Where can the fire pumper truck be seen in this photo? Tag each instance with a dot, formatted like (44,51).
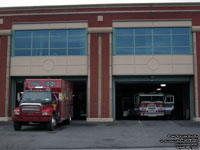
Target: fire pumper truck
(153,104)
(44,101)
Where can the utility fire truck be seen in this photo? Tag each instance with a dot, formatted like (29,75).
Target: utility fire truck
(153,104)
(44,101)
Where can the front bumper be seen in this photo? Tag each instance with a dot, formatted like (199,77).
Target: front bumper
(31,119)
(152,114)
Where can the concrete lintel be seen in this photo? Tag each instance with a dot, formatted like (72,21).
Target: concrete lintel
(100,30)
(195,28)
(196,119)
(50,25)
(5,118)
(100,119)
(5,32)
(151,23)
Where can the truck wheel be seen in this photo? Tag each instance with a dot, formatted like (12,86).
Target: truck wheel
(51,125)
(17,126)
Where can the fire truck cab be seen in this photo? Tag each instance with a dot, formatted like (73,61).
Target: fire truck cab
(44,101)
(153,104)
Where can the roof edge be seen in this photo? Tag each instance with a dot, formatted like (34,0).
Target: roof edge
(86,6)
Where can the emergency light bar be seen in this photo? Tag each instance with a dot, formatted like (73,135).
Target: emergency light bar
(39,87)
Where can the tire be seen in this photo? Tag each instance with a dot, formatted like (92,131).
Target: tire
(51,125)
(17,126)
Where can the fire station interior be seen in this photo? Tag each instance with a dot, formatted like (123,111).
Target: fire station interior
(79,103)
(125,99)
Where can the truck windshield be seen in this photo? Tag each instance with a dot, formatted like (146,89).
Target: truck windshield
(36,96)
(145,98)
(151,98)
(157,98)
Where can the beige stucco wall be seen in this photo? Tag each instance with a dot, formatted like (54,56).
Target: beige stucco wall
(153,65)
(49,66)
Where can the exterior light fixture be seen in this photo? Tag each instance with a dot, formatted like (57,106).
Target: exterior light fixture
(158,89)
(163,85)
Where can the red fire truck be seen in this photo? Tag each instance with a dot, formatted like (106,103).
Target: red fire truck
(153,104)
(44,101)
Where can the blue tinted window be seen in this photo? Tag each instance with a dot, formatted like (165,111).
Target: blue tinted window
(50,42)
(161,40)
(40,43)
(41,33)
(181,50)
(161,30)
(130,41)
(23,34)
(59,33)
(125,41)
(180,30)
(162,50)
(76,32)
(143,41)
(180,40)
(58,42)
(40,52)
(22,43)
(145,51)
(75,51)
(58,52)
(143,31)
(22,52)
(124,32)
(74,42)
(124,51)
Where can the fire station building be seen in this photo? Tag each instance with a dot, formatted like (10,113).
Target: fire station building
(110,52)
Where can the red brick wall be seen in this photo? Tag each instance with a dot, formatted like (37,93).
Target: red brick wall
(94,76)
(105,75)
(3,62)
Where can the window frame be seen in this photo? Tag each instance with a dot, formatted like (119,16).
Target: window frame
(153,47)
(83,36)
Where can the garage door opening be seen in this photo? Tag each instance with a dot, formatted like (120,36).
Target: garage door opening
(80,96)
(79,106)
(125,104)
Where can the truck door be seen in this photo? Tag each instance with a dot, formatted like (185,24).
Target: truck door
(19,89)
(169,104)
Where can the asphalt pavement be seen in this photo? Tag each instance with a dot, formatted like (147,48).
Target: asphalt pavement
(123,135)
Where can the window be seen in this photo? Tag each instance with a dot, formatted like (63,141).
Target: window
(35,83)
(148,41)
(50,42)
(50,83)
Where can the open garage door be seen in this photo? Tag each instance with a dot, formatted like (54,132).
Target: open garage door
(79,106)
(80,94)
(127,92)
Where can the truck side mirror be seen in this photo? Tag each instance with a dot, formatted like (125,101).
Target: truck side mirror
(169,99)
(19,96)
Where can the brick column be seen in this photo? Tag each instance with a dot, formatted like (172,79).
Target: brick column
(105,76)
(99,97)
(196,46)
(93,113)
(5,41)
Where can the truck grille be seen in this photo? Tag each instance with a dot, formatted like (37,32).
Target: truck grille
(30,109)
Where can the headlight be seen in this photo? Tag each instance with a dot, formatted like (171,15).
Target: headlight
(16,112)
(46,113)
